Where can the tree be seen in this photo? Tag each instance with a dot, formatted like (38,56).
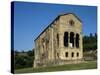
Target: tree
(91,35)
(30,53)
(95,35)
(19,62)
(90,42)
(24,59)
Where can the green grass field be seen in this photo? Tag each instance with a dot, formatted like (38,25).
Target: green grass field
(81,66)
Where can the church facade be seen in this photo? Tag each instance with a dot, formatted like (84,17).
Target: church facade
(60,43)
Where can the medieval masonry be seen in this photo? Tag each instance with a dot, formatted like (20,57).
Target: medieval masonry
(60,43)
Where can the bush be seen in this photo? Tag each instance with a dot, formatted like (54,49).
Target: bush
(23,60)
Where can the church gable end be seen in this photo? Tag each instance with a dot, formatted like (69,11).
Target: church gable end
(60,42)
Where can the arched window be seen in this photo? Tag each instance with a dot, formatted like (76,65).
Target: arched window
(72,54)
(58,55)
(77,54)
(66,39)
(71,22)
(66,54)
(77,40)
(72,38)
(58,39)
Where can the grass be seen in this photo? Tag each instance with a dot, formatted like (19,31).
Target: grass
(81,66)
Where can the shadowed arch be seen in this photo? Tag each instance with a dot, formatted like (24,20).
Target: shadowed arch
(72,38)
(66,39)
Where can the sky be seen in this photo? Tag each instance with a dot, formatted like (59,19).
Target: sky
(30,19)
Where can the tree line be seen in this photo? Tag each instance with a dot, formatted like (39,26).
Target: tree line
(90,42)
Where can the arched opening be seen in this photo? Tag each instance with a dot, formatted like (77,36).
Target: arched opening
(58,55)
(72,54)
(72,38)
(66,39)
(77,54)
(77,40)
(66,54)
(58,39)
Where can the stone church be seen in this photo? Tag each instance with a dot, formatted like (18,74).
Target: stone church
(60,43)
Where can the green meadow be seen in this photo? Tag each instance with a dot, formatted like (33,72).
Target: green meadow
(67,67)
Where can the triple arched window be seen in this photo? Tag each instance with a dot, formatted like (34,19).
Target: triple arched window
(73,39)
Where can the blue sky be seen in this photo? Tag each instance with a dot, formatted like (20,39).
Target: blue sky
(30,19)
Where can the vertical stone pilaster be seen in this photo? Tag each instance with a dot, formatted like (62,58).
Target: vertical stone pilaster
(81,45)
(52,43)
(74,40)
(61,45)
